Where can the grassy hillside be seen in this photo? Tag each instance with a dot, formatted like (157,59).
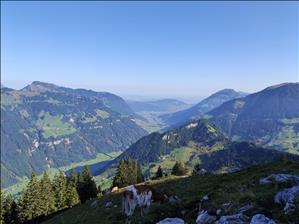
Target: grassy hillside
(237,188)
(269,118)
(197,142)
(44,125)
(101,157)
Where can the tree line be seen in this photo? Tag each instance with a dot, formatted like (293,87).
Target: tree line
(129,172)
(44,196)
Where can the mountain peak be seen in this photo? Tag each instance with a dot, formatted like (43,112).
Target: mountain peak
(226,91)
(229,92)
(39,86)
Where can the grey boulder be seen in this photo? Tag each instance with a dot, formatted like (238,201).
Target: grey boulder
(233,219)
(280,178)
(205,218)
(287,198)
(171,221)
(261,219)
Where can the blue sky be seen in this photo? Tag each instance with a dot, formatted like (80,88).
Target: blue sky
(184,50)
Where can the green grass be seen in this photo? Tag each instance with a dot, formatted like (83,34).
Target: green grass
(53,125)
(287,139)
(52,171)
(150,125)
(188,155)
(211,129)
(10,100)
(103,114)
(239,188)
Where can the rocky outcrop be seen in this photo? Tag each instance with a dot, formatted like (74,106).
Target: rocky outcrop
(205,217)
(280,178)
(261,219)
(287,198)
(233,219)
(171,221)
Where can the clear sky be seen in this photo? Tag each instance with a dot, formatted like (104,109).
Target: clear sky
(183,50)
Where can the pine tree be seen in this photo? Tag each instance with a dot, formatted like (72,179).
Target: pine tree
(179,169)
(128,172)
(47,195)
(140,177)
(30,200)
(120,178)
(59,187)
(73,178)
(72,197)
(7,204)
(15,213)
(196,169)
(159,172)
(11,214)
(87,187)
(2,211)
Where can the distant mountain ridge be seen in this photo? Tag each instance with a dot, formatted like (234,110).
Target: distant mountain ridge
(269,117)
(204,106)
(44,125)
(109,100)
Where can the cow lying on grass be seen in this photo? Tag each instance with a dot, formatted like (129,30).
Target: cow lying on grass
(142,196)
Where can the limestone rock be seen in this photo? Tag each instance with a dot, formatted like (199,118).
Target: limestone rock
(261,219)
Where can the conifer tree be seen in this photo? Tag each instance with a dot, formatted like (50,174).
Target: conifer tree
(128,172)
(159,172)
(179,169)
(87,188)
(140,177)
(73,178)
(121,177)
(11,214)
(47,195)
(72,197)
(2,211)
(59,187)
(7,214)
(30,200)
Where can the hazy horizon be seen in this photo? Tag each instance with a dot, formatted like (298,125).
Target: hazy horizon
(150,50)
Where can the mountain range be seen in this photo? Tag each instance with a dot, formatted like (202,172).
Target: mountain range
(198,142)
(268,118)
(178,118)
(44,125)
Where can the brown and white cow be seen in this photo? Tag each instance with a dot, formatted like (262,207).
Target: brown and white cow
(142,196)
